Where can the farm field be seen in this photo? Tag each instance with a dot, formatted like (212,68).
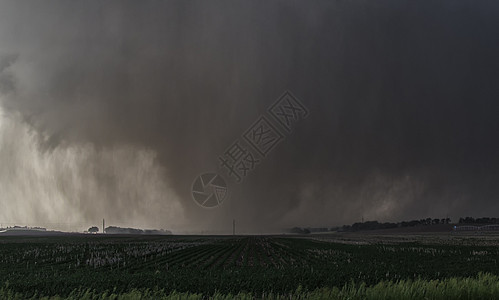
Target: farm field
(465,238)
(253,265)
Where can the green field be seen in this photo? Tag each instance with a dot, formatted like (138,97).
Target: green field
(249,265)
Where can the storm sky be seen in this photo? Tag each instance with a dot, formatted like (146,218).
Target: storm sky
(111,109)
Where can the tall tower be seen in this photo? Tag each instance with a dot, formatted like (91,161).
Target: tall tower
(234,227)
(103,226)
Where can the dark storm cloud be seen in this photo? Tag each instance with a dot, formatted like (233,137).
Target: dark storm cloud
(403,97)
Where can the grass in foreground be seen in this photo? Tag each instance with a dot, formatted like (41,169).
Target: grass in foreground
(485,286)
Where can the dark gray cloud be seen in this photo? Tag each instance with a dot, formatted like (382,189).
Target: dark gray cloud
(402,98)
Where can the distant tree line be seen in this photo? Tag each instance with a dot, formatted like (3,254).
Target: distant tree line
(24,227)
(120,230)
(484,220)
(374,225)
(298,230)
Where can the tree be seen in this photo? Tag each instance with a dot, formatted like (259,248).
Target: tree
(93,229)
(469,220)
